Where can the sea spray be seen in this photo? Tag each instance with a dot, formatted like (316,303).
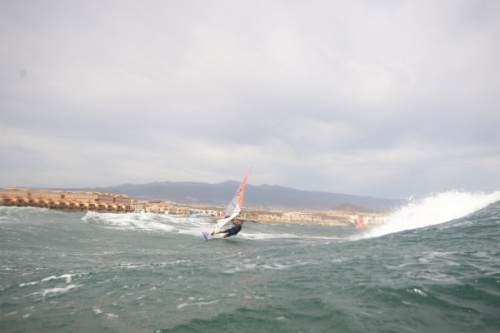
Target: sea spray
(148,222)
(432,210)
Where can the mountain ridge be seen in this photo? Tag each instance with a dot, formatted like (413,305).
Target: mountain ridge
(264,196)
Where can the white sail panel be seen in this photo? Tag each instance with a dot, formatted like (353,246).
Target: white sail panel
(233,209)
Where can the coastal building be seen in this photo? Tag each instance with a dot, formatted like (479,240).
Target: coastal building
(157,206)
(66,200)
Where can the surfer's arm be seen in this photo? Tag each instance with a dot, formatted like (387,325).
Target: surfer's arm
(215,232)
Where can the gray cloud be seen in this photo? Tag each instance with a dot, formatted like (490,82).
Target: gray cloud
(389,98)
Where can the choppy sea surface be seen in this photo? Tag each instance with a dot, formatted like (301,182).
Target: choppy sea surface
(434,266)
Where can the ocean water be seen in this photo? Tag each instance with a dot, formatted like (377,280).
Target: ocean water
(434,266)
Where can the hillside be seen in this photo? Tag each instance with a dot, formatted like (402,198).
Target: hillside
(262,196)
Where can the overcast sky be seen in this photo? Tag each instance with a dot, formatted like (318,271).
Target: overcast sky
(382,98)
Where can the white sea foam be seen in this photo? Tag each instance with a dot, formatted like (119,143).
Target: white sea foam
(432,210)
(130,221)
(267,235)
(61,290)
(67,277)
(148,222)
(417,291)
(183,305)
(97,310)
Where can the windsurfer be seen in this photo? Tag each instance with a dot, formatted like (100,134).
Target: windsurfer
(233,231)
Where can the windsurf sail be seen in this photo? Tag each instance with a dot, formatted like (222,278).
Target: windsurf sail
(361,223)
(234,207)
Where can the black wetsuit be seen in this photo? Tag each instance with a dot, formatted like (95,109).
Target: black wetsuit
(232,231)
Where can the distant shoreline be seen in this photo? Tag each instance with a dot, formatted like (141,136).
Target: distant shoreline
(78,201)
(326,217)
